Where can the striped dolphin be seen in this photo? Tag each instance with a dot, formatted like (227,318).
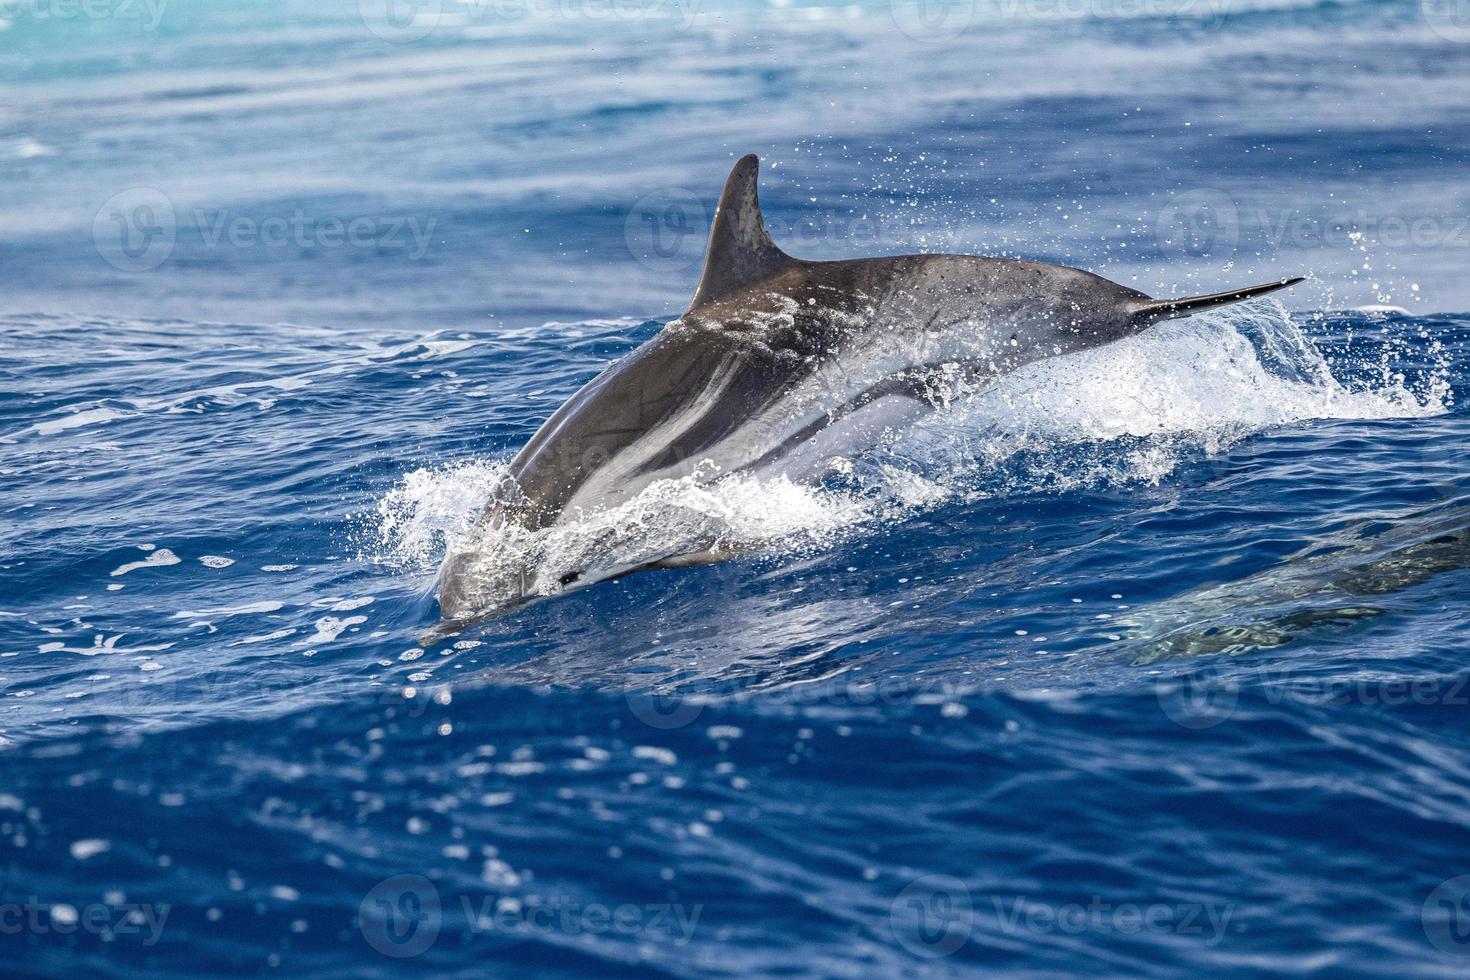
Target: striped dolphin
(777,365)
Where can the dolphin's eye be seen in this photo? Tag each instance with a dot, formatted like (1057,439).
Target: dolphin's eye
(569,578)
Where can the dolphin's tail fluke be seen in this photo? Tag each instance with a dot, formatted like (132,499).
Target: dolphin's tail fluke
(1165,309)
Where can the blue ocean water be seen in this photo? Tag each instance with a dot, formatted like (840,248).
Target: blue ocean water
(1148,661)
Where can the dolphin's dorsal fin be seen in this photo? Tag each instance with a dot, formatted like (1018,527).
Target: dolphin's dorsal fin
(740,250)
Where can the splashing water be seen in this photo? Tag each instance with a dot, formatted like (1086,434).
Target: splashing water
(429,510)
(1124,413)
(1131,411)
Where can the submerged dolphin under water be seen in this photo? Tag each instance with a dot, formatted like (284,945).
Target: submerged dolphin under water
(1335,582)
(778,365)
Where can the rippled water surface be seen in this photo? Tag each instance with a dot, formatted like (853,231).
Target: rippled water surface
(1147,660)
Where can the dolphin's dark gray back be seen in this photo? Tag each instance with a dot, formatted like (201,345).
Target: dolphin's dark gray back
(741,254)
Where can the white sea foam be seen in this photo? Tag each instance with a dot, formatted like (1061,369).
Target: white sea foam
(280,634)
(245,609)
(102,645)
(156,559)
(328,628)
(89,847)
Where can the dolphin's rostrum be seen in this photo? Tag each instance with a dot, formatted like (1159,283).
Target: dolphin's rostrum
(778,365)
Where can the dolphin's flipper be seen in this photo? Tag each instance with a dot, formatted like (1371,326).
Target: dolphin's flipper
(1165,309)
(740,249)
